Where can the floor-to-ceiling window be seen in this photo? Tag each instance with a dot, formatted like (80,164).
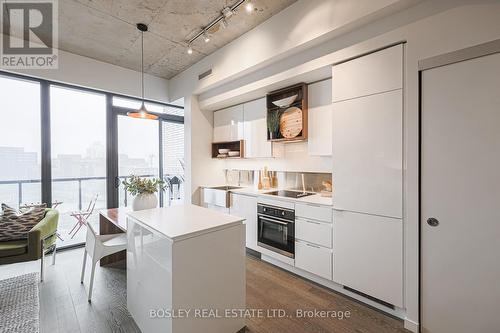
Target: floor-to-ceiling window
(173,162)
(138,151)
(151,148)
(89,146)
(78,149)
(20,176)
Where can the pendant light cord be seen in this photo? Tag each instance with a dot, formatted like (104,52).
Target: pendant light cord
(142,65)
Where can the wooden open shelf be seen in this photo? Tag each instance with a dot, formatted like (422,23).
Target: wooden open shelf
(301,102)
(238,145)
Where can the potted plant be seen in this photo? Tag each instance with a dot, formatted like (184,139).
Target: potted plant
(273,123)
(144,190)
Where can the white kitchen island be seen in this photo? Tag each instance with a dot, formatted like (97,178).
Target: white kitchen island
(185,270)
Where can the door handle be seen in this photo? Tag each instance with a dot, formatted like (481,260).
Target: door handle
(432,221)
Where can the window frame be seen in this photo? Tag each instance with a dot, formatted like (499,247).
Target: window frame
(112,113)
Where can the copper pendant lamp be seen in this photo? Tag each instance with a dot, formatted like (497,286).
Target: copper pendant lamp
(142,113)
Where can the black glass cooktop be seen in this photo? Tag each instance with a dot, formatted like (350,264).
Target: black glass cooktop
(290,194)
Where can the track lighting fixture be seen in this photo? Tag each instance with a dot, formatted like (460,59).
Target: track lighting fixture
(226,13)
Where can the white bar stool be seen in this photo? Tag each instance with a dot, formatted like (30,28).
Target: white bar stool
(99,246)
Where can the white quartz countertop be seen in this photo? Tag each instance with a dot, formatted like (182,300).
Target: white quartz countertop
(312,199)
(184,221)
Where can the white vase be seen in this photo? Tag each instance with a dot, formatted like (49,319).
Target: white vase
(145,201)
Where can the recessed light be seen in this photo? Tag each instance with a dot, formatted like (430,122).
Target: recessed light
(190,50)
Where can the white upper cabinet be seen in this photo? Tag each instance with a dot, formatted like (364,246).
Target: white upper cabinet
(228,124)
(320,118)
(374,73)
(367,148)
(255,129)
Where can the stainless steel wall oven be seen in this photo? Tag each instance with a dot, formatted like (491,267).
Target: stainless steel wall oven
(276,229)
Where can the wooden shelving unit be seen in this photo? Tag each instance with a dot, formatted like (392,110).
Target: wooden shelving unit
(238,145)
(301,102)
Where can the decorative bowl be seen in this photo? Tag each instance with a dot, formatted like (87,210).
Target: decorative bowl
(285,102)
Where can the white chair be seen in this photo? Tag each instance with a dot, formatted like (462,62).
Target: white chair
(99,246)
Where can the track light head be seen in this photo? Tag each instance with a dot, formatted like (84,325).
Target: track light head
(249,7)
(206,37)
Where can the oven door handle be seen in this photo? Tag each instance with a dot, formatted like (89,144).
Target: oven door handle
(272,220)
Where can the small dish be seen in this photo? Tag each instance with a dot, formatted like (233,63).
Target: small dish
(233,153)
(285,102)
(223,151)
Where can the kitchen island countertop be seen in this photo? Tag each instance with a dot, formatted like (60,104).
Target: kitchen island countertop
(184,221)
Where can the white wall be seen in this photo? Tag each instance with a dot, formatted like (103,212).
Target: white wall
(201,168)
(86,72)
(452,25)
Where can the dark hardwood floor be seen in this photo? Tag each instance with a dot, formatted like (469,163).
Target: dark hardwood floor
(64,307)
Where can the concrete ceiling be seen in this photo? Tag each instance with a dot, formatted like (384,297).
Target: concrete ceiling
(105,30)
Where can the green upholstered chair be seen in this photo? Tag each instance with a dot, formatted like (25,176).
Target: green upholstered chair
(41,239)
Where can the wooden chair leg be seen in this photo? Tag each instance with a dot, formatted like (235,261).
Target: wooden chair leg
(83,266)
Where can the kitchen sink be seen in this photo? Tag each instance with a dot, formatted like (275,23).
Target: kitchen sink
(218,195)
(225,188)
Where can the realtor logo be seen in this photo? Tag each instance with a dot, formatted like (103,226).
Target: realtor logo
(29,34)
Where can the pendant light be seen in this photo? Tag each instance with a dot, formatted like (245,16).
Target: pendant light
(142,113)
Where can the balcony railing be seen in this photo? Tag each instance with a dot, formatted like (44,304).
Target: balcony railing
(79,180)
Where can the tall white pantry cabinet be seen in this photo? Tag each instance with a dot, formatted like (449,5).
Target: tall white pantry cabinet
(367,150)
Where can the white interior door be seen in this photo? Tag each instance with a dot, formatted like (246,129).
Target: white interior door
(460,188)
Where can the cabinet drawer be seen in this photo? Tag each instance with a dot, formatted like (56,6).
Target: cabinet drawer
(314,232)
(314,259)
(308,211)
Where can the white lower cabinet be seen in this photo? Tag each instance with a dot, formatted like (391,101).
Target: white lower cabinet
(313,259)
(246,206)
(313,231)
(369,254)
(315,212)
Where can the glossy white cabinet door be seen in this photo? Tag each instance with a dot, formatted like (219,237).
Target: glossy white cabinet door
(374,73)
(319,140)
(314,232)
(367,154)
(228,124)
(320,131)
(246,206)
(314,259)
(369,255)
(255,129)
